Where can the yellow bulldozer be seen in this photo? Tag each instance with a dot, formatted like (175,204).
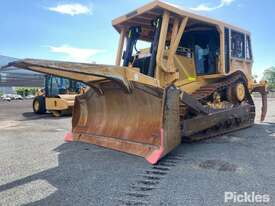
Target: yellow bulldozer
(191,81)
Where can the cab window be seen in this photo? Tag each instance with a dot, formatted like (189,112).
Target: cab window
(237,45)
(205,43)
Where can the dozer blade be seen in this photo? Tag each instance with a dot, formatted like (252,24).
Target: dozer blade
(119,113)
(87,73)
(144,122)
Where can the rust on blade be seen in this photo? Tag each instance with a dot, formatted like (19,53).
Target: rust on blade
(86,73)
(89,74)
(131,123)
(123,110)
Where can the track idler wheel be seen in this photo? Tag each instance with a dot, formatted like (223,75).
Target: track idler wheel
(236,93)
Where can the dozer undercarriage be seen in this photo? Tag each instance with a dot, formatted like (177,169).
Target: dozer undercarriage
(193,83)
(231,114)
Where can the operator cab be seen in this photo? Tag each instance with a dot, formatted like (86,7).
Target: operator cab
(168,43)
(199,42)
(57,85)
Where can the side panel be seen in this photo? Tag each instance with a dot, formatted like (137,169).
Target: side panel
(186,67)
(56,104)
(240,65)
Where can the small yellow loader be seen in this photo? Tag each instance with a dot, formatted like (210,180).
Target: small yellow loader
(58,96)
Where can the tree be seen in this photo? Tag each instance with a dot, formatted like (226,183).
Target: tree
(25,91)
(269,76)
(20,91)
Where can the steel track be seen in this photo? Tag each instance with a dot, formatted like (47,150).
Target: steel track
(229,125)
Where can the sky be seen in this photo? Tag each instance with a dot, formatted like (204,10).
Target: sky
(81,30)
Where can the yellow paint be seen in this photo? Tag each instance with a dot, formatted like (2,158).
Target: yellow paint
(191,78)
(57,104)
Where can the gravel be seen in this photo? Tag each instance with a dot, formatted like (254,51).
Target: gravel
(38,168)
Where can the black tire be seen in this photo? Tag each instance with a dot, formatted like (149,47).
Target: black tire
(38,105)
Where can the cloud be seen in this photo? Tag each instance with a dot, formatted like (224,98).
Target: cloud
(76,54)
(72,9)
(206,7)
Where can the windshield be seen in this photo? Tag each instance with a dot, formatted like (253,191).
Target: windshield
(205,45)
(58,85)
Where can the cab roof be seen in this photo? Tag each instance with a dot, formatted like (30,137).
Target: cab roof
(144,15)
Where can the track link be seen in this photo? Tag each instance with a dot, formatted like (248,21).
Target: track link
(230,125)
